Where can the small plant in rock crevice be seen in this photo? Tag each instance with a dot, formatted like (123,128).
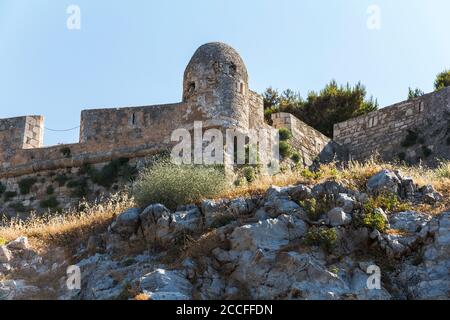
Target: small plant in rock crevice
(323,237)
(2,188)
(8,195)
(26,184)
(49,203)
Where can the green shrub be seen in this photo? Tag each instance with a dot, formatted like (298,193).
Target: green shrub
(374,220)
(443,170)
(80,188)
(427,152)
(2,188)
(296,157)
(109,174)
(416,93)
(26,184)
(173,185)
(323,237)
(3,241)
(249,174)
(311,208)
(321,110)
(315,208)
(8,195)
(442,80)
(50,190)
(61,179)
(66,152)
(285,134)
(388,202)
(49,203)
(240,182)
(285,149)
(410,139)
(309,174)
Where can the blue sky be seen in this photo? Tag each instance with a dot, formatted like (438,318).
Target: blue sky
(134,52)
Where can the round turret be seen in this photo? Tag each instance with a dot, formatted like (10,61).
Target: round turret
(216,86)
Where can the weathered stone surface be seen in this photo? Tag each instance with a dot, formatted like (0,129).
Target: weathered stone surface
(126,223)
(384,181)
(385,131)
(346,202)
(166,285)
(5,254)
(338,217)
(409,221)
(20,243)
(269,234)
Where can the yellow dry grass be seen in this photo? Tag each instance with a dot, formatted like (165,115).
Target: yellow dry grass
(71,228)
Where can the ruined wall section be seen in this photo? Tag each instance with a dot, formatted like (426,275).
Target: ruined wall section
(256,113)
(107,129)
(312,145)
(17,134)
(105,134)
(413,130)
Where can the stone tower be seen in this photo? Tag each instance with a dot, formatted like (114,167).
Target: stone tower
(216,87)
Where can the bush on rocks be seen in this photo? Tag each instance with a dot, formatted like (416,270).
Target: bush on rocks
(174,185)
(322,237)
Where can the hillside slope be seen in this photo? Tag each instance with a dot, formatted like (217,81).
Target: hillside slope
(324,239)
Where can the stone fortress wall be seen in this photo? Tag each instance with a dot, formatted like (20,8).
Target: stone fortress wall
(215,91)
(415,131)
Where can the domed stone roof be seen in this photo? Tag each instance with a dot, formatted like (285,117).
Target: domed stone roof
(218,55)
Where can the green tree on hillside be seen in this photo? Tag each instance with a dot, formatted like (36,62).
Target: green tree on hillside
(416,93)
(335,103)
(442,80)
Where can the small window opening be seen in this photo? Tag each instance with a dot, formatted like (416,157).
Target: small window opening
(241,88)
(232,69)
(191,87)
(133,119)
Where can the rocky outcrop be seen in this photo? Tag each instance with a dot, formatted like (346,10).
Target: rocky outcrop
(295,242)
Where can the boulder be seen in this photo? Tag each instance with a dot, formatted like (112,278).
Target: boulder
(409,221)
(126,223)
(300,193)
(5,254)
(429,195)
(278,206)
(166,285)
(20,243)
(270,234)
(384,181)
(337,217)
(190,220)
(329,188)
(346,202)
(17,290)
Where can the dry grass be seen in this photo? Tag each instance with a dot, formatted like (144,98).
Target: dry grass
(353,174)
(70,228)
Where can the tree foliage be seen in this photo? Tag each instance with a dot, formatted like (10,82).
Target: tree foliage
(321,110)
(442,80)
(416,93)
